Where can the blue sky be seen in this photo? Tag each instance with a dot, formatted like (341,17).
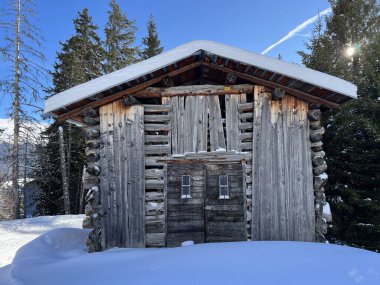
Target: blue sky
(252,25)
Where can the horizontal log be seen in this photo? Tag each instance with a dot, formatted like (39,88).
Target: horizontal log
(93,170)
(245,107)
(314,115)
(154,173)
(91,112)
(156,118)
(91,121)
(318,160)
(157,108)
(155,240)
(278,94)
(157,149)
(157,127)
(246,126)
(246,136)
(129,100)
(318,153)
(90,133)
(194,90)
(152,161)
(93,144)
(244,116)
(92,157)
(154,196)
(320,169)
(156,139)
(154,184)
(246,146)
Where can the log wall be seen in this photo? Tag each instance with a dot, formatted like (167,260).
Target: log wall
(273,134)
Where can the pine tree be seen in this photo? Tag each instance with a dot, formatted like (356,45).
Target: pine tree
(352,139)
(21,52)
(151,43)
(120,38)
(81,59)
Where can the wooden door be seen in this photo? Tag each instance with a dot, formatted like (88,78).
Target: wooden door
(185,205)
(205,203)
(225,217)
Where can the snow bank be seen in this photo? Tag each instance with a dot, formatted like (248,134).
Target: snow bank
(59,257)
(16,233)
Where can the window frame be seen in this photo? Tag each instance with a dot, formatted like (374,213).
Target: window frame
(225,187)
(186,195)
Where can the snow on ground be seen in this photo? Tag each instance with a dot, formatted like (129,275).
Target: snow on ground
(16,233)
(60,257)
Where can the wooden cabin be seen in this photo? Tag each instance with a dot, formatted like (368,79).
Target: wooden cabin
(205,142)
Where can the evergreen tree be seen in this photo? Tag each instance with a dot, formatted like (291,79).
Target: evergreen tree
(352,139)
(151,43)
(120,37)
(81,59)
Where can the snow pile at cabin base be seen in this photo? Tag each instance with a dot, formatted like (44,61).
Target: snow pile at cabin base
(60,257)
(16,233)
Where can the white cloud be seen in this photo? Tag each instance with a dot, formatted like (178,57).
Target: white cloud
(298,29)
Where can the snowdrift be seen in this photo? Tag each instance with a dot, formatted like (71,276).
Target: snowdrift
(60,257)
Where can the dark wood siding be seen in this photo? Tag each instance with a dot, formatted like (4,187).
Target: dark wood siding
(204,217)
(225,218)
(185,216)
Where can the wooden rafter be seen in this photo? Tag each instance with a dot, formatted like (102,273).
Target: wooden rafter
(288,90)
(77,111)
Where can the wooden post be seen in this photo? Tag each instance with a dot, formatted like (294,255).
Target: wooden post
(91,180)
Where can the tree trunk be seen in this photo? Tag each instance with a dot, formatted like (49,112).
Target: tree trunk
(65,185)
(16,119)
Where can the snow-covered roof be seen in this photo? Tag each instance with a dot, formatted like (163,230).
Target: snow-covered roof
(137,70)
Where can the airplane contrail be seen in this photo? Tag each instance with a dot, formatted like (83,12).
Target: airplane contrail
(297,29)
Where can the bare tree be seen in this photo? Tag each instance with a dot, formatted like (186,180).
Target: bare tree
(65,184)
(21,51)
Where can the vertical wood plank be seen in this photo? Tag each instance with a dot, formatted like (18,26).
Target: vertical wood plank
(232,122)
(217,139)
(282,206)
(135,176)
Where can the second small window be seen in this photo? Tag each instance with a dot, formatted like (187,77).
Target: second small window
(224,192)
(185,191)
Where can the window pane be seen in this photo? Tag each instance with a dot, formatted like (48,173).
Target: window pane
(223,180)
(185,179)
(224,191)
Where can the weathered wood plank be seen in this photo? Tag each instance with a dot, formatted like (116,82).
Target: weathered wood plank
(281,172)
(156,108)
(217,139)
(232,122)
(193,90)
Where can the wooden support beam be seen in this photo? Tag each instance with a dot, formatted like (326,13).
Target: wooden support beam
(259,81)
(152,92)
(129,100)
(73,113)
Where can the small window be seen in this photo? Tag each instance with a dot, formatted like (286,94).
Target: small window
(224,192)
(185,193)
